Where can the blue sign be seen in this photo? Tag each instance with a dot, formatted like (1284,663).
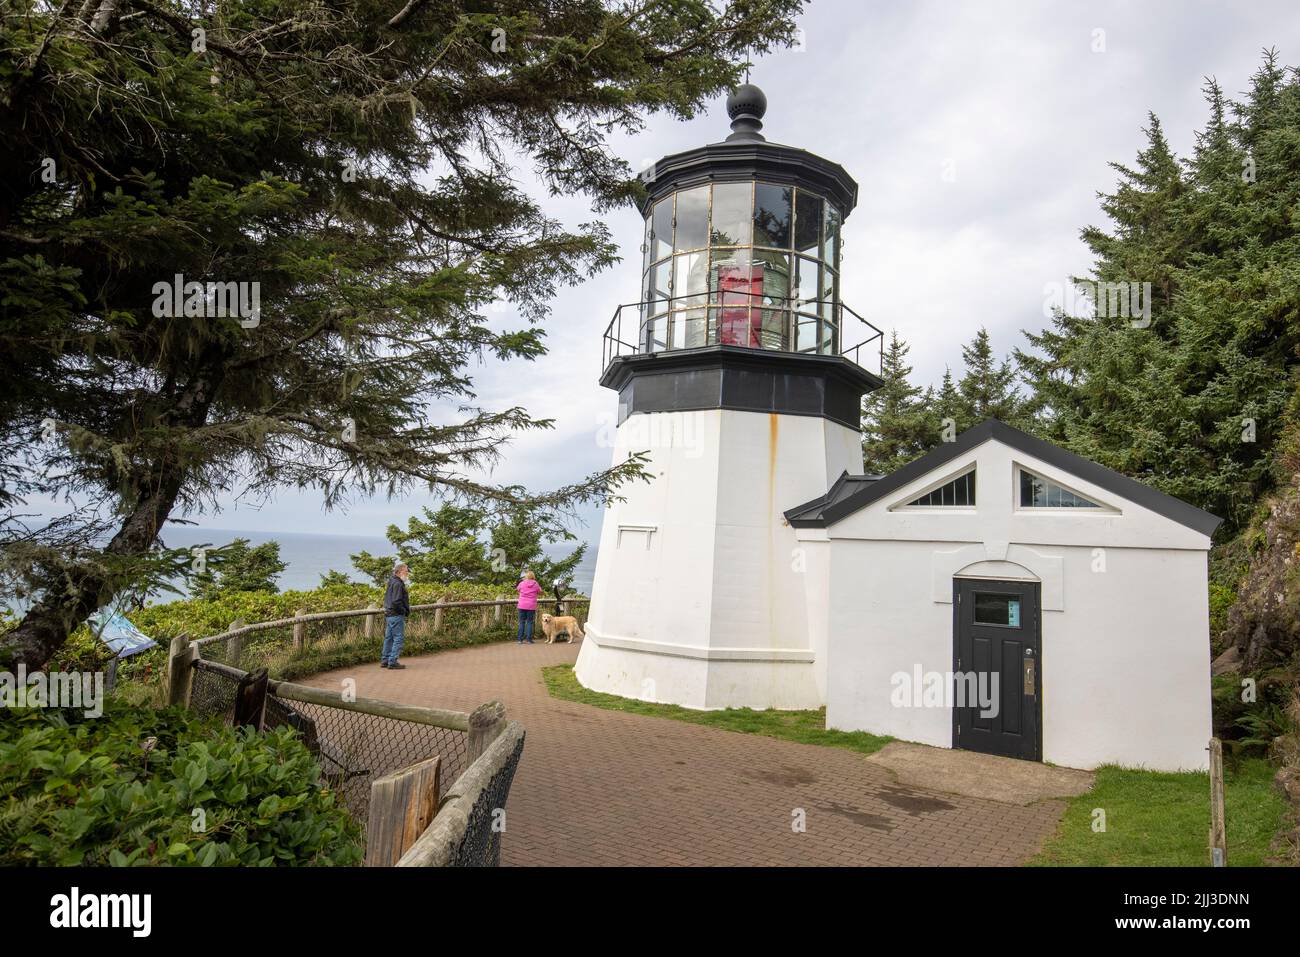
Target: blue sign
(1013,612)
(122,638)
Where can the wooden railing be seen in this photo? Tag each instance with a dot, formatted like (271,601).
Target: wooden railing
(493,609)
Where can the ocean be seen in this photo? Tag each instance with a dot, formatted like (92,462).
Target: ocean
(309,555)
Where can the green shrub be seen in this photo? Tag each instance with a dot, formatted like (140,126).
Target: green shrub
(1222,598)
(80,791)
(1249,728)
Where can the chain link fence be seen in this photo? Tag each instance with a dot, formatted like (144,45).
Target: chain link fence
(469,826)
(481,844)
(354,748)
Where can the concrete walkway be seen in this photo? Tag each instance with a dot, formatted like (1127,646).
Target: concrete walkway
(599,787)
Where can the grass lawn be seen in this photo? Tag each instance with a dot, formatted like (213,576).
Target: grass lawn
(1160,819)
(806,727)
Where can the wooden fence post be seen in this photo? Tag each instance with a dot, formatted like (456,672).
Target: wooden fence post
(485,617)
(180,670)
(250,700)
(1218,826)
(485,723)
(370,622)
(299,630)
(437,614)
(235,645)
(497,612)
(402,805)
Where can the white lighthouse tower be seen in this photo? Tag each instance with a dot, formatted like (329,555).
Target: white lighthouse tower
(738,374)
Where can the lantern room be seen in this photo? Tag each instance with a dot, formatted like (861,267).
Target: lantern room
(748,263)
(741,248)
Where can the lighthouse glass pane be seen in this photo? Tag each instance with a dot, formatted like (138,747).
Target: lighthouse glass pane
(826,298)
(805,333)
(772,215)
(832,237)
(691,279)
(660,279)
(806,287)
(732,214)
(645,246)
(663,228)
(692,219)
(736,284)
(771,285)
(654,336)
(830,338)
(808,224)
(690,329)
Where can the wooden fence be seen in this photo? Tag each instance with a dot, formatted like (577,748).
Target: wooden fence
(491,612)
(415,815)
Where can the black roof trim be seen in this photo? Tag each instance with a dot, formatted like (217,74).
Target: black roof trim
(825,511)
(621,368)
(809,514)
(741,379)
(752,159)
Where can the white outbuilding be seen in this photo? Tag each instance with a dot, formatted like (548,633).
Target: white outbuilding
(1003,595)
(998,594)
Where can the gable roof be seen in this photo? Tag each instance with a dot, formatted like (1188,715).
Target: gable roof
(853,492)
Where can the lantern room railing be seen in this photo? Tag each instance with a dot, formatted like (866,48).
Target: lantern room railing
(746,320)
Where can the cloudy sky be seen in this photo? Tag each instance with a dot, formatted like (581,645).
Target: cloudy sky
(980,134)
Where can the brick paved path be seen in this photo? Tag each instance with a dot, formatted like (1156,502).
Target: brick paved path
(597,787)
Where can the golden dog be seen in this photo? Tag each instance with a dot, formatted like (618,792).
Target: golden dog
(553,625)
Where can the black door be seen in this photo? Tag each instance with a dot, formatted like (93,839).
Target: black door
(998,685)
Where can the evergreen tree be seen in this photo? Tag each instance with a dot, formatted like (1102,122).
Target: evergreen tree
(517,544)
(895,425)
(239,567)
(357,162)
(987,387)
(949,415)
(456,544)
(442,546)
(901,422)
(1194,401)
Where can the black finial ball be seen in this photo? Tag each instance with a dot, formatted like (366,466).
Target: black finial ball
(747,99)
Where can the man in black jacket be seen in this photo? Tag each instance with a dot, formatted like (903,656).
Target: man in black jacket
(397,605)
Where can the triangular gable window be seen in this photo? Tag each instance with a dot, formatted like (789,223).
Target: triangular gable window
(1038,492)
(960,491)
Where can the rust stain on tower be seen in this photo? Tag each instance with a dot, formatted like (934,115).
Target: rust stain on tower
(773,428)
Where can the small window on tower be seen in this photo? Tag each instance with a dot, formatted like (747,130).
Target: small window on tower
(1038,492)
(960,491)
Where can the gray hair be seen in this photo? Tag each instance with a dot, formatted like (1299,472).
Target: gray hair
(399,566)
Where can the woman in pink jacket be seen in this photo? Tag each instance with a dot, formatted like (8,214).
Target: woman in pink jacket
(528,591)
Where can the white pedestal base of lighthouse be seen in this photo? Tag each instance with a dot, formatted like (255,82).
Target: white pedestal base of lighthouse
(700,595)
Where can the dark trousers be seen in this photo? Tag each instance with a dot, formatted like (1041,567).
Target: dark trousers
(526,625)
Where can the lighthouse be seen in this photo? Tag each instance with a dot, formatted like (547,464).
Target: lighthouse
(740,375)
